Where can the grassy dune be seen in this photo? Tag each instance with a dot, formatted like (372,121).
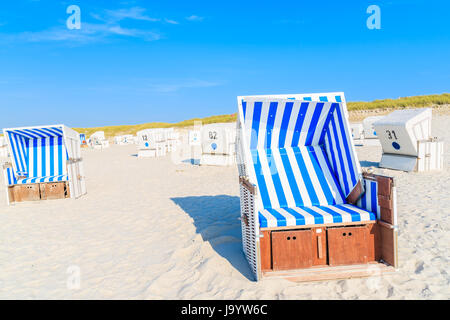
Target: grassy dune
(411,102)
(112,131)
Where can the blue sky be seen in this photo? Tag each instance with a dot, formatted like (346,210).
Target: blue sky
(144,61)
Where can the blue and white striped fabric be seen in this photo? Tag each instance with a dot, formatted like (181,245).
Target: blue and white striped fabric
(10,177)
(62,177)
(281,123)
(304,216)
(369,199)
(302,159)
(320,97)
(339,144)
(38,154)
(295,177)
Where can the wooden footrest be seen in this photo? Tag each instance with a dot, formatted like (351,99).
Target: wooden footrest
(332,273)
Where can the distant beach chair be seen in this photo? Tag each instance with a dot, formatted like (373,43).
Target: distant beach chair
(45,164)
(3,148)
(83,140)
(307,211)
(172,139)
(369,129)
(194,138)
(407,143)
(124,139)
(218,143)
(98,140)
(357,131)
(151,143)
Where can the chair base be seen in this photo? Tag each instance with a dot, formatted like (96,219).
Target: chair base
(322,273)
(324,252)
(38,191)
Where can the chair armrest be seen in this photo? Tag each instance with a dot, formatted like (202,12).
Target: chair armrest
(8,173)
(355,194)
(7,165)
(246,184)
(385,196)
(74,160)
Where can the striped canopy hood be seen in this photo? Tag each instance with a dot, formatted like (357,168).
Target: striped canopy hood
(38,151)
(298,152)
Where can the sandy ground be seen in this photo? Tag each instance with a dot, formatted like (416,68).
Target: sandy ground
(151,229)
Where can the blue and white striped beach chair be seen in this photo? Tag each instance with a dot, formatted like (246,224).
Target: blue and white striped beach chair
(300,179)
(44,154)
(83,141)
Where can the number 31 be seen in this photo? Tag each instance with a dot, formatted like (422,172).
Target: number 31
(390,134)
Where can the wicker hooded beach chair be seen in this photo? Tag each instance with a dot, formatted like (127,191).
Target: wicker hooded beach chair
(45,164)
(307,211)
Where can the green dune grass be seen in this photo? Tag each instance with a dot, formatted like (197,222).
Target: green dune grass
(111,131)
(404,102)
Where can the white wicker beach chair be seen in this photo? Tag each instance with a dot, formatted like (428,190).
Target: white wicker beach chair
(218,142)
(369,129)
(98,140)
(307,211)
(123,140)
(45,163)
(172,139)
(151,143)
(405,136)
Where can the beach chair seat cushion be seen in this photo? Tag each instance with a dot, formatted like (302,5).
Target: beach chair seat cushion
(58,178)
(314,215)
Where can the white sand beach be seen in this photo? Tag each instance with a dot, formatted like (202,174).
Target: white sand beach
(153,229)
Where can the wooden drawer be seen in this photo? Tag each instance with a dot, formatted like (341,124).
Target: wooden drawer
(292,249)
(53,190)
(265,244)
(25,192)
(348,245)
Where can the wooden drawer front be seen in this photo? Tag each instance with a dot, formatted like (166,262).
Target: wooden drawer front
(291,249)
(347,245)
(53,190)
(265,245)
(319,246)
(26,192)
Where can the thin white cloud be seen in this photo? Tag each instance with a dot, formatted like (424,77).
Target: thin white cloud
(194,18)
(134,13)
(171,21)
(154,86)
(88,33)
(181,84)
(92,32)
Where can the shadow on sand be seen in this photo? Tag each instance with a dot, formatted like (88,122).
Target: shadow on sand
(216,219)
(192,161)
(368,164)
